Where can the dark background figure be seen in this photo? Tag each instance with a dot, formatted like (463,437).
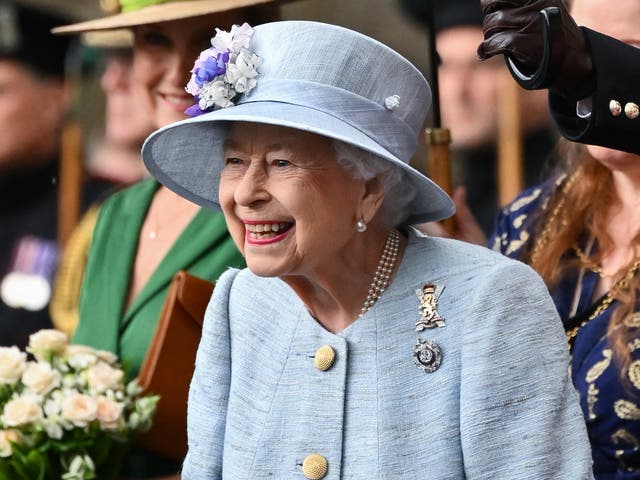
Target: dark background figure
(34,99)
(469,98)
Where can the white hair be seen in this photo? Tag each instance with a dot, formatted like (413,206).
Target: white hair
(363,165)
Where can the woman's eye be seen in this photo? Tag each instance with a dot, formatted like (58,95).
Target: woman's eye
(281,163)
(156,38)
(233,161)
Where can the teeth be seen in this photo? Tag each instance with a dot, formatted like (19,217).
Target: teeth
(175,99)
(265,230)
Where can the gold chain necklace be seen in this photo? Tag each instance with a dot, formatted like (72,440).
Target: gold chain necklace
(586,262)
(621,284)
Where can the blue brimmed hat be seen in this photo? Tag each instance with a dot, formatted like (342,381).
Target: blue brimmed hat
(314,77)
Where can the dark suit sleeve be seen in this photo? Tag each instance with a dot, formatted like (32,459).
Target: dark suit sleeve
(617,70)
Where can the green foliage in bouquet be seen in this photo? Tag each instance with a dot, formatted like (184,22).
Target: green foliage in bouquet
(68,414)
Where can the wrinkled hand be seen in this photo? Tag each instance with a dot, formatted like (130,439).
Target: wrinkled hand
(515,28)
(466,226)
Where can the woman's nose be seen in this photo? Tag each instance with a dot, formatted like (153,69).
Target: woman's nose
(178,68)
(252,188)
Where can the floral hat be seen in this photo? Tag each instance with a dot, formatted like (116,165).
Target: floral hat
(310,76)
(143,12)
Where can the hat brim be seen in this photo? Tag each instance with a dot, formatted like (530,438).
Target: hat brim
(163,12)
(185,156)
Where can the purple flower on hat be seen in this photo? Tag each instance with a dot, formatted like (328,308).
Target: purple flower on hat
(224,70)
(210,68)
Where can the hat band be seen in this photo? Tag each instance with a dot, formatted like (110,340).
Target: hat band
(372,119)
(131,5)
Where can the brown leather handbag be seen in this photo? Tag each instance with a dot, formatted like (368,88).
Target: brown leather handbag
(169,364)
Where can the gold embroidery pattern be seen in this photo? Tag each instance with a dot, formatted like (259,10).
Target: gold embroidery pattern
(624,437)
(518,204)
(592,399)
(519,220)
(497,241)
(633,321)
(635,345)
(598,368)
(634,374)
(626,410)
(515,245)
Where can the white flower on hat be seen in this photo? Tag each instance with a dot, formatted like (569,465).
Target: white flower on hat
(242,74)
(217,93)
(224,70)
(12,364)
(238,38)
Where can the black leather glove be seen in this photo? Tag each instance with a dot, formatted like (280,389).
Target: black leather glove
(542,43)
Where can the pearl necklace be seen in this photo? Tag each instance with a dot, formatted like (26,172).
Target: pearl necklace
(383,272)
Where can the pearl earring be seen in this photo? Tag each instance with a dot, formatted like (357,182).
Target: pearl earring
(361,226)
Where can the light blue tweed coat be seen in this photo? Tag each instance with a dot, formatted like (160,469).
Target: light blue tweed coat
(501,405)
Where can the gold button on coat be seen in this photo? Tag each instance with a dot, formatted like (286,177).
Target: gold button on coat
(631,110)
(325,356)
(615,108)
(315,466)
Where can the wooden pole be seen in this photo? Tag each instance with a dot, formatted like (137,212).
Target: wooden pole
(510,176)
(70,181)
(438,141)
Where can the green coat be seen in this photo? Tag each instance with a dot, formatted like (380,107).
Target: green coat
(204,248)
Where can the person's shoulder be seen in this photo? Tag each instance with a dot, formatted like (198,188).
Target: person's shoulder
(465,260)
(454,252)
(533,198)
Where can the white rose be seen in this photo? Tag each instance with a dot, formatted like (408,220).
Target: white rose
(48,341)
(6,438)
(109,413)
(40,377)
(21,411)
(53,429)
(106,356)
(81,356)
(12,364)
(79,409)
(103,377)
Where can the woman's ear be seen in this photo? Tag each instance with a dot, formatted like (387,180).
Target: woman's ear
(371,199)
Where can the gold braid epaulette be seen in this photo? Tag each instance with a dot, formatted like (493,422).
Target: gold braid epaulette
(68,283)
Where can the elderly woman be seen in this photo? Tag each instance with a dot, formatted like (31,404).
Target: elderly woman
(352,346)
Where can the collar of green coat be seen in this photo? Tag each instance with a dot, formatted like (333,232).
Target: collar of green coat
(109,268)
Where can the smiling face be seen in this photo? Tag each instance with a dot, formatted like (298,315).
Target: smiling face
(291,209)
(620,22)
(163,57)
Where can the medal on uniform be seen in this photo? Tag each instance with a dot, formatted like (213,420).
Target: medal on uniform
(429,316)
(31,271)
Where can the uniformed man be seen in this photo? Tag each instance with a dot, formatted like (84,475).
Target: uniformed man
(592,78)
(33,103)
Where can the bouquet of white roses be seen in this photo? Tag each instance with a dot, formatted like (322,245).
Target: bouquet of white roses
(67,414)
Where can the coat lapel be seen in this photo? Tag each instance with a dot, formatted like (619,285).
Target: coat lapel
(202,234)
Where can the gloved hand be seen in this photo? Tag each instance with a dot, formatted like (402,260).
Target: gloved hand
(550,47)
